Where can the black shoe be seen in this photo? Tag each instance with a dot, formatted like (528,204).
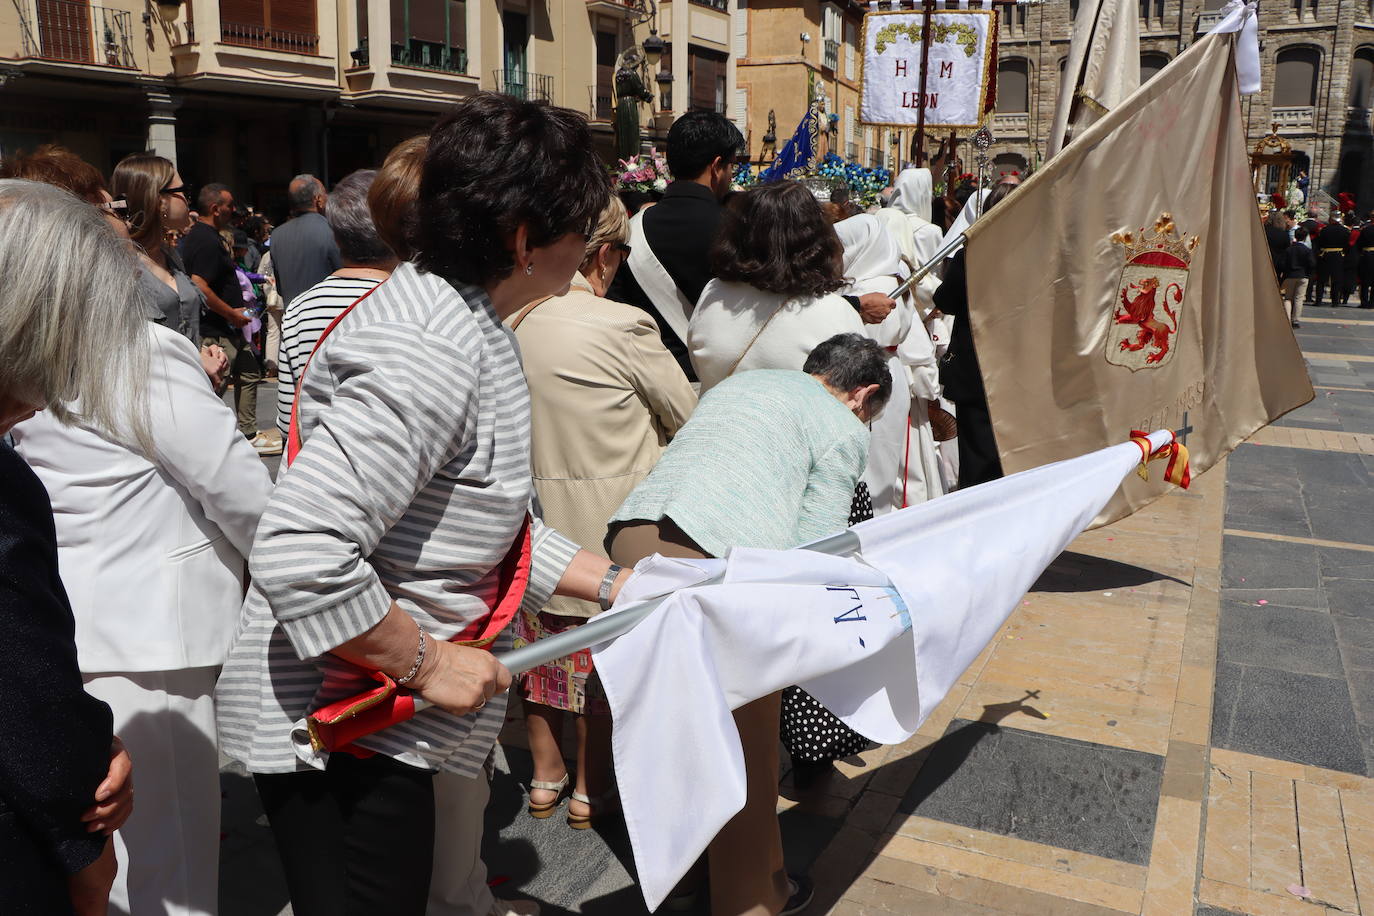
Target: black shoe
(806,773)
(800,898)
(1297,324)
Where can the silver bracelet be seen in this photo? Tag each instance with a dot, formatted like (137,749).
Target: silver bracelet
(419,660)
(603,594)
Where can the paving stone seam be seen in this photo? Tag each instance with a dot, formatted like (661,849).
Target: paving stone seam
(1295,539)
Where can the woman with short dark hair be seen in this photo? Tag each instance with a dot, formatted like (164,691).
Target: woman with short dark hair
(391,544)
(777,262)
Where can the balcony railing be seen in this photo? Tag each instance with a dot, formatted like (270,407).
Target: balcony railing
(524,85)
(602,105)
(430,55)
(1295,118)
(1207,20)
(832,54)
(722,5)
(79,33)
(255,36)
(1011,124)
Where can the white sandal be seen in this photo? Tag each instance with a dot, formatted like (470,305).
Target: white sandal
(542,810)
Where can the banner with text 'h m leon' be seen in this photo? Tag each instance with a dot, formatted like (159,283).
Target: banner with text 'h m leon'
(962,64)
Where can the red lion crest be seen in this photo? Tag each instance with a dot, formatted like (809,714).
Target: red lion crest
(1141,311)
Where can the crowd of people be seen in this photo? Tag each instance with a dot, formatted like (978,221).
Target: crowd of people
(1321,262)
(497,390)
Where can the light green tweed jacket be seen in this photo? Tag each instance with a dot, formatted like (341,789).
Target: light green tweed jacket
(769,459)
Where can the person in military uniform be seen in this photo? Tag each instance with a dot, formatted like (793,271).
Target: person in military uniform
(1330,250)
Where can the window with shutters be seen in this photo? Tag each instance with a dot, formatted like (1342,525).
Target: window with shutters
(607,50)
(430,34)
(1295,78)
(276,25)
(706,80)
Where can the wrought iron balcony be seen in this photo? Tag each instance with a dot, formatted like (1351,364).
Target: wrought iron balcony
(722,5)
(79,33)
(876,159)
(532,87)
(255,36)
(832,54)
(602,107)
(430,55)
(1294,119)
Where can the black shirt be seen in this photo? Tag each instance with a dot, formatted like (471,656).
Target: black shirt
(680,229)
(205,256)
(1333,236)
(959,371)
(1298,262)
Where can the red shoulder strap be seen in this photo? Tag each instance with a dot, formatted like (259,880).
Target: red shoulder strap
(293,436)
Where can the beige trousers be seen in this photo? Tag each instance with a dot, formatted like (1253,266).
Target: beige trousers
(458,884)
(745,858)
(1293,292)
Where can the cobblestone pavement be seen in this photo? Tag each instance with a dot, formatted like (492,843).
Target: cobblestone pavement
(1178,720)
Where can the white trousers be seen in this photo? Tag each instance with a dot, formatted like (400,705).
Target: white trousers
(458,885)
(168,850)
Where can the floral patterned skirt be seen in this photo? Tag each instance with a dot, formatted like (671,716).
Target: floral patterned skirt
(567,683)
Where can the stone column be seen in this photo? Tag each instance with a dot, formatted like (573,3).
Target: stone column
(681,37)
(162,122)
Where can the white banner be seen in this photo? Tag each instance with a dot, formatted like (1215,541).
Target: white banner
(959,68)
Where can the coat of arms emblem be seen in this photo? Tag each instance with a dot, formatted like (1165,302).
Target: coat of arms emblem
(1148,306)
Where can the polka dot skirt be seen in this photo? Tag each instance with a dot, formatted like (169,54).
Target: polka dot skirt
(809,731)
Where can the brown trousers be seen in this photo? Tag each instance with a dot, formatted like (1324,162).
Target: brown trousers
(745,858)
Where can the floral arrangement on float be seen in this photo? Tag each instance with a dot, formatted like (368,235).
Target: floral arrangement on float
(745,177)
(864,182)
(643,173)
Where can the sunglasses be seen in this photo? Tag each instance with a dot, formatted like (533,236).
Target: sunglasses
(119,207)
(179,189)
(622,248)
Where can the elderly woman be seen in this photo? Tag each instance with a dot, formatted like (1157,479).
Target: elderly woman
(367,261)
(769,459)
(400,526)
(777,263)
(605,397)
(69,332)
(152,554)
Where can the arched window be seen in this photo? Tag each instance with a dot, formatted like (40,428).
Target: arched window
(1295,78)
(1008,164)
(1362,78)
(1013,86)
(1151,62)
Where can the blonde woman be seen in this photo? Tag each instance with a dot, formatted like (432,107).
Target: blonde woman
(605,398)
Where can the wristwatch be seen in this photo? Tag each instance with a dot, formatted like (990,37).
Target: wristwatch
(603,594)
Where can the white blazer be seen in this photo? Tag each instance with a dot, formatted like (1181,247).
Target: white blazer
(768,330)
(151,551)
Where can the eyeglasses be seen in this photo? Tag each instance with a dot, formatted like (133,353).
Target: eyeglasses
(179,189)
(622,248)
(119,208)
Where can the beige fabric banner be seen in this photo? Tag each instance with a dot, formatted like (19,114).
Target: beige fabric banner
(1127,285)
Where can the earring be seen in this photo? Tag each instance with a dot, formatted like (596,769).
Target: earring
(529,270)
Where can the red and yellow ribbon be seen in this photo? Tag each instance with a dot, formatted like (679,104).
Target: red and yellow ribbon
(1175,453)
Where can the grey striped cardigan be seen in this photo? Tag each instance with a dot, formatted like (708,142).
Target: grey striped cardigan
(411,484)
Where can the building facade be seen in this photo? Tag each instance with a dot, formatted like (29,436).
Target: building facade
(251,92)
(788,53)
(1318,70)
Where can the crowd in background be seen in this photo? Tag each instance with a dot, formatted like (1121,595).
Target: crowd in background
(498,388)
(1322,262)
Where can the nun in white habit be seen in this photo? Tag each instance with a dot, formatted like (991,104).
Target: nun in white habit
(903,465)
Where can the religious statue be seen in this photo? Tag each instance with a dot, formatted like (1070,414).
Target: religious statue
(629,93)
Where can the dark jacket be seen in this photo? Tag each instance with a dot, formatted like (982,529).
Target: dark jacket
(1333,236)
(680,229)
(1298,262)
(54,737)
(959,371)
(1278,245)
(303,253)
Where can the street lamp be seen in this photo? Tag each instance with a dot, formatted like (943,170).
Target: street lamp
(665,90)
(653,49)
(168,9)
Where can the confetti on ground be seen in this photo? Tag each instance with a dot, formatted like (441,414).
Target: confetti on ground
(1106,594)
(1262,601)
(1297,890)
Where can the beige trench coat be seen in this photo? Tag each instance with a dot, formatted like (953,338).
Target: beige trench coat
(605,398)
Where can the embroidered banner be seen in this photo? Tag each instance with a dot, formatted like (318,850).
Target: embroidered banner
(961,63)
